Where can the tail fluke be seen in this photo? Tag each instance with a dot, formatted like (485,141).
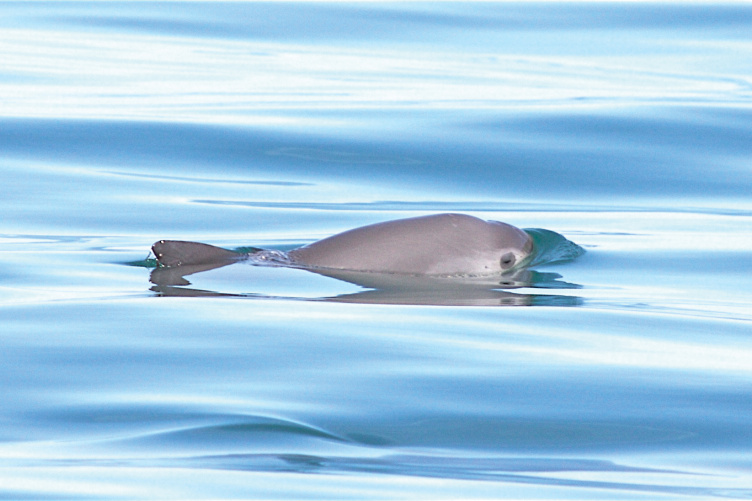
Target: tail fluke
(178,253)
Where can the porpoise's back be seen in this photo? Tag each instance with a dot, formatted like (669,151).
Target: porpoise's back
(441,244)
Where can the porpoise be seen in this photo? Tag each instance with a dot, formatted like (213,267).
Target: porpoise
(435,245)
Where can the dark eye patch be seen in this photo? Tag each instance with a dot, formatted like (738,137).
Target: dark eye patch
(507,260)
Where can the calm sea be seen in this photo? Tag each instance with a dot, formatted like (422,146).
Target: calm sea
(623,374)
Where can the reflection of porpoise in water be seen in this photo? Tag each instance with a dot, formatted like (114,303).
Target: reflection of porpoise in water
(439,259)
(438,245)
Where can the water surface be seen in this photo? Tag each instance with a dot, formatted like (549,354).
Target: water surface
(623,374)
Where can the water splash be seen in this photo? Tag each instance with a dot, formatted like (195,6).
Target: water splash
(552,247)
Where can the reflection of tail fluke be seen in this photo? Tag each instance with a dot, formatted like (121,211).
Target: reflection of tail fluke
(178,253)
(175,275)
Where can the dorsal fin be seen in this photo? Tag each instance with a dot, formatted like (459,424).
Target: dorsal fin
(178,253)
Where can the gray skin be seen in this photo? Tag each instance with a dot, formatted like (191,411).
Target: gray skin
(437,245)
(173,253)
(442,244)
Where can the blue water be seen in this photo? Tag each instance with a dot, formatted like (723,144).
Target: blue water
(623,374)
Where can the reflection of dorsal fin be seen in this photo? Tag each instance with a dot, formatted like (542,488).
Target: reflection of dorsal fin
(179,253)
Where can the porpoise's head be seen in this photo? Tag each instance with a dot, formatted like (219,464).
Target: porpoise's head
(516,246)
